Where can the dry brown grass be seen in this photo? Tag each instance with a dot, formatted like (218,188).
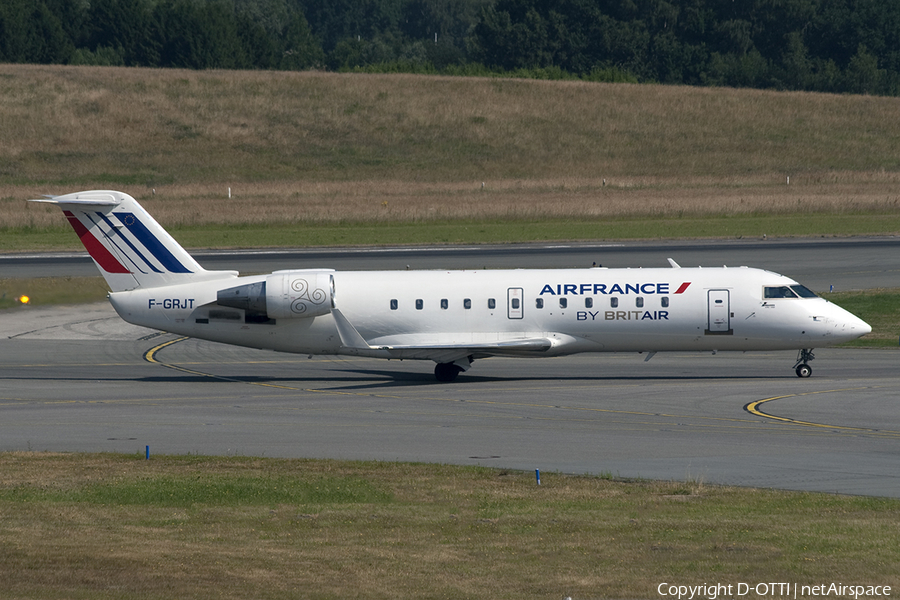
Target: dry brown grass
(326,148)
(397,201)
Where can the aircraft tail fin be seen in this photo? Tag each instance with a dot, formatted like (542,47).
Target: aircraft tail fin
(129,247)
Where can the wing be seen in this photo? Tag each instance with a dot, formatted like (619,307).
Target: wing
(440,347)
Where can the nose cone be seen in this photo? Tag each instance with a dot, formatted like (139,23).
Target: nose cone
(864,327)
(850,327)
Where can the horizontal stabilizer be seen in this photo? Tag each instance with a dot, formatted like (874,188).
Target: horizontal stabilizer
(82,199)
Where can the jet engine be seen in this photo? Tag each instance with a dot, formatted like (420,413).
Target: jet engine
(284,295)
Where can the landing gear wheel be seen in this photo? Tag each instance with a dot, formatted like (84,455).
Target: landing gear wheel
(801,366)
(446,372)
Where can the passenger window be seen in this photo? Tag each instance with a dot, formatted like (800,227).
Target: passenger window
(664,301)
(639,302)
(563,302)
(515,303)
(539,303)
(589,303)
(467,303)
(419,304)
(444,303)
(393,304)
(492,304)
(614,303)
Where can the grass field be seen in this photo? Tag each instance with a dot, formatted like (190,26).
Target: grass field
(397,153)
(114,526)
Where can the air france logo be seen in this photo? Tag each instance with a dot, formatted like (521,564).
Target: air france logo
(616,289)
(595,289)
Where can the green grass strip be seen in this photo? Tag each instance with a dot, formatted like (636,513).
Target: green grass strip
(49,291)
(878,308)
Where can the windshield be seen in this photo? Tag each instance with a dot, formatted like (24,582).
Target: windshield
(803,291)
(778,292)
(784,291)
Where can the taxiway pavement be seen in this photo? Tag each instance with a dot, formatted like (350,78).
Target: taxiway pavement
(76,379)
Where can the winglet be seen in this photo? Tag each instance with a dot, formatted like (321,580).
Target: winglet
(674,264)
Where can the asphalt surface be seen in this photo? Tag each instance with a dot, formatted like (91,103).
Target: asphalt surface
(79,379)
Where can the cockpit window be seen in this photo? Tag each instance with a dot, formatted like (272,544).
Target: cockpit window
(803,291)
(778,292)
(784,291)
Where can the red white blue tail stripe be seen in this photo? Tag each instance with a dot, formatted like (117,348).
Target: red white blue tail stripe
(131,249)
(104,259)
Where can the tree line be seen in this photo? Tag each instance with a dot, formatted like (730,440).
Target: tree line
(817,45)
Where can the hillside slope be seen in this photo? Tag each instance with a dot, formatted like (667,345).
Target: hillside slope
(320,147)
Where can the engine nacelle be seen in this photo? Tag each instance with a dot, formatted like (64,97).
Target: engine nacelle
(298,294)
(284,295)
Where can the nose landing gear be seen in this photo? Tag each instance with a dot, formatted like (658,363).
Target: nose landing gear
(801,367)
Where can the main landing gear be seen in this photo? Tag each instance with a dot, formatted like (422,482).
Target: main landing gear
(446,372)
(802,368)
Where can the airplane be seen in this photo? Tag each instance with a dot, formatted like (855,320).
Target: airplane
(451,317)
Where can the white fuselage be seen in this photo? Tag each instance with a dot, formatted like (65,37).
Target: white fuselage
(450,317)
(406,314)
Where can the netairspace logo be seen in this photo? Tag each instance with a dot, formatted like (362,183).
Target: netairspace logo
(715,591)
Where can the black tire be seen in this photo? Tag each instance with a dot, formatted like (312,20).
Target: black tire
(446,372)
(804,370)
